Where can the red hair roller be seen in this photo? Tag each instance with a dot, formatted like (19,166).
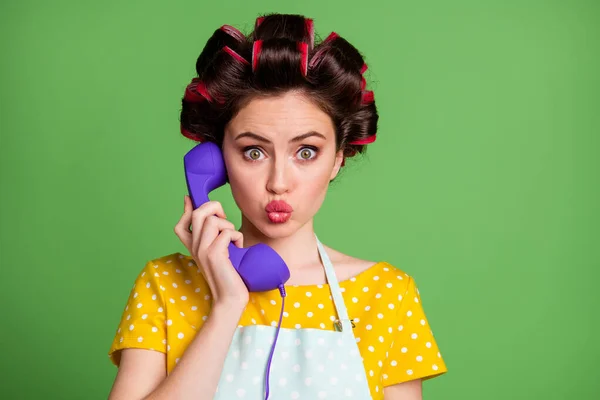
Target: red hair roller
(233,32)
(259,21)
(363,81)
(316,57)
(196,92)
(256,49)
(368,140)
(187,134)
(367,97)
(310,31)
(319,54)
(331,37)
(201,88)
(303,49)
(235,55)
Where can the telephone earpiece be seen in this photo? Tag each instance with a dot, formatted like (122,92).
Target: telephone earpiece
(259,266)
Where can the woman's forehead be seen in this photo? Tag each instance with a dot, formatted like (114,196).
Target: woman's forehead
(284,116)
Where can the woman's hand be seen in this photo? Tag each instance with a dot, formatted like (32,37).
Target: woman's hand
(207,243)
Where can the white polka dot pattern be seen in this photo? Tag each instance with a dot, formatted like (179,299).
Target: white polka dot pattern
(391,328)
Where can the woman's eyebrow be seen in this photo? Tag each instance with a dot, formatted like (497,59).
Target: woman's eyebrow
(295,139)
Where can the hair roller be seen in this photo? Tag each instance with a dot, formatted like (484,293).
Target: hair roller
(259,21)
(332,36)
(319,54)
(303,49)
(233,32)
(316,58)
(201,88)
(367,140)
(187,134)
(367,97)
(363,81)
(310,31)
(235,55)
(256,49)
(196,92)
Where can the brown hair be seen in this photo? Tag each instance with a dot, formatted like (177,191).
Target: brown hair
(279,56)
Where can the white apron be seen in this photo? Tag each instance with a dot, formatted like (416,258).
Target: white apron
(306,363)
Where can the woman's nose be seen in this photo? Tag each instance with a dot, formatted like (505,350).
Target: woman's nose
(279,179)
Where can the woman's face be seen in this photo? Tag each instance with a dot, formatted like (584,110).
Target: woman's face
(280,148)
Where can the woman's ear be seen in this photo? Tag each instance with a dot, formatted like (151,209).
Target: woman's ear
(339,158)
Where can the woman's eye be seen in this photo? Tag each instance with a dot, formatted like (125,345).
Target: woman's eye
(253,154)
(306,152)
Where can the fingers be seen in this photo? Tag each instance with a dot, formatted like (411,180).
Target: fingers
(195,219)
(219,247)
(210,230)
(181,228)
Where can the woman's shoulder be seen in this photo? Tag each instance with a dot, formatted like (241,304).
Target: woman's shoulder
(174,260)
(353,269)
(379,276)
(175,272)
(176,263)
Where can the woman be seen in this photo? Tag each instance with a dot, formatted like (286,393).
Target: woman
(286,112)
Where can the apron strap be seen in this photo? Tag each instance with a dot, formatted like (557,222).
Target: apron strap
(338,300)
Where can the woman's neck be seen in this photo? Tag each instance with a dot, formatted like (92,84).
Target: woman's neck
(298,250)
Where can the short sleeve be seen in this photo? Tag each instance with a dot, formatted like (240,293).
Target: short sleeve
(142,324)
(414,353)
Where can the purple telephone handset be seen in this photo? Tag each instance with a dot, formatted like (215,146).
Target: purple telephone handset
(259,266)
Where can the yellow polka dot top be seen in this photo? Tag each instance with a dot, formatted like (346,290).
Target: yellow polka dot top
(170,301)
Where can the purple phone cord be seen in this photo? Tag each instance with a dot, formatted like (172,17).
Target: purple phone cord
(282,292)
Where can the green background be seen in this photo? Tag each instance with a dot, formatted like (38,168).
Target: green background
(482,184)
